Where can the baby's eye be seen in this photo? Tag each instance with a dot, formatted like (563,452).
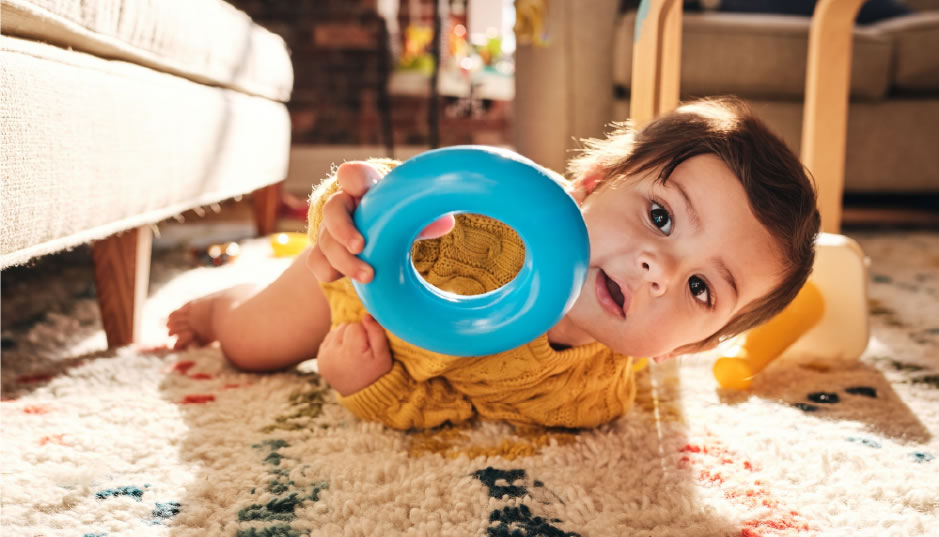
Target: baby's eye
(699,289)
(660,218)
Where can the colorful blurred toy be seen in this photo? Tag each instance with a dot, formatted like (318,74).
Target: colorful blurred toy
(765,343)
(289,244)
(215,255)
(530,22)
(827,320)
(415,56)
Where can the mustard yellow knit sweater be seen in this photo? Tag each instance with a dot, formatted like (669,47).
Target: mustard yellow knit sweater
(534,384)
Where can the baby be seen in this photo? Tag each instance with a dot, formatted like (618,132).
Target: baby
(701,226)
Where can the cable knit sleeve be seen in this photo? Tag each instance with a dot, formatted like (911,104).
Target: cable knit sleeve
(401,402)
(581,386)
(594,391)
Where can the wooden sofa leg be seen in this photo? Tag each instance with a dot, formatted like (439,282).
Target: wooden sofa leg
(656,61)
(265,202)
(122,274)
(825,112)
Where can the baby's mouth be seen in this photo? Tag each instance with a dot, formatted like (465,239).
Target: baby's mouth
(610,294)
(615,292)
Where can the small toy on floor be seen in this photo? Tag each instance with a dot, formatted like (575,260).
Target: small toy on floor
(765,343)
(289,244)
(827,320)
(215,255)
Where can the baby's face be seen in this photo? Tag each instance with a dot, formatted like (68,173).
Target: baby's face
(671,264)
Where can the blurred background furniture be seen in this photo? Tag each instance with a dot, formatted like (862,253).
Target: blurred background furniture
(579,82)
(117,114)
(360,62)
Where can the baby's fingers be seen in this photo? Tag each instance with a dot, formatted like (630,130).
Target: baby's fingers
(316,261)
(438,228)
(333,338)
(337,220)
(341,260)
(376,339)
(355,339)
(357,177)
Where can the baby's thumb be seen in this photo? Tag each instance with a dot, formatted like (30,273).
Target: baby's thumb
(376,337)
(357,177)
(438,228)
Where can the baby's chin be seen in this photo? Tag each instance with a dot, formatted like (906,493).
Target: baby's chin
(614,337)
(631,348)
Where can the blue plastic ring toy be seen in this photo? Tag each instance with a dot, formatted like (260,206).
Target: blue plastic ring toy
(476,179)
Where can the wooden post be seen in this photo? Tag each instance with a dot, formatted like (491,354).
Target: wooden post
(264,202)
(827,93)
(122,275)
(656,60)
(670,70)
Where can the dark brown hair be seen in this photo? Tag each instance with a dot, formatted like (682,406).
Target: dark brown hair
(777,185)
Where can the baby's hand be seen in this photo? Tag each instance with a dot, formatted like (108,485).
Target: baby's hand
(353,356)
(334,254)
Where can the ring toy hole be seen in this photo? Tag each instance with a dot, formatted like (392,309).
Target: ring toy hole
(512,261)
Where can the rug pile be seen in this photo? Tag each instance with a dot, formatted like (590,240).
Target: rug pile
(141,441)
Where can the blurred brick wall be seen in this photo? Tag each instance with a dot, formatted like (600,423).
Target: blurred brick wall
(337,52)
(342,58)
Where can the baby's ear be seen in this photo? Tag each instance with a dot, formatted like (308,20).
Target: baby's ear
(587,183)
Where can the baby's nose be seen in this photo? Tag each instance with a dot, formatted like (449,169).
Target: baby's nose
(656,271)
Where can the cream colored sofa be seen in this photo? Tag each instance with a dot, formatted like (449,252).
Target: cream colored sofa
(580,82)
(116,114)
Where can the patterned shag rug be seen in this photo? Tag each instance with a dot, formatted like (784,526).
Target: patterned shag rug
(145,442)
